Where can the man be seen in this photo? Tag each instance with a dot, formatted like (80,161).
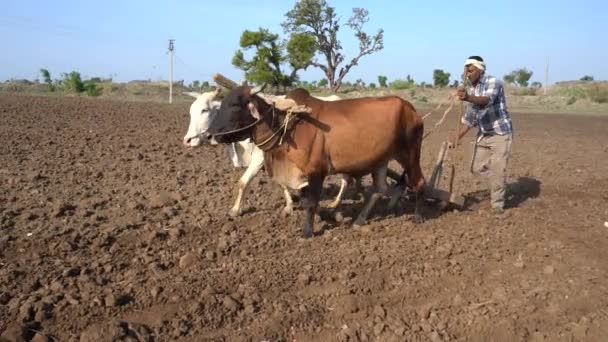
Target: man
(487,111)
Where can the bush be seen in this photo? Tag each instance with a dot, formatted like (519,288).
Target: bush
(598,94)
(571,100)
(91,88)
(72,82)
(401,84)
(576,92)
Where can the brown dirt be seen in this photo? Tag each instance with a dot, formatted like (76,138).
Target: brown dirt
(111,230)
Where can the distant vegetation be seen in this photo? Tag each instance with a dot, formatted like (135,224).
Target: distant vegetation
(519,77)
(72,83)
(441,78)
(584,94)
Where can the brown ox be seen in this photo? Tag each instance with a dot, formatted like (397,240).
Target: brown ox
(352,136)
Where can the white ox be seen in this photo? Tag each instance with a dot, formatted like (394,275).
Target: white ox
(243,153)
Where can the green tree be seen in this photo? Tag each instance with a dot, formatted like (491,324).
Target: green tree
(587,78)
(382,81)
(322,83)
(519,76)
(441,78)
(265,65)
(205,85)
(195,85)
(319,20)
(509,78)
(372,85)
(536,84)
(522,76)
(301,49)
(46,76)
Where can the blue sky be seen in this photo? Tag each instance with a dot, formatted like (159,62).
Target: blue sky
(127,39)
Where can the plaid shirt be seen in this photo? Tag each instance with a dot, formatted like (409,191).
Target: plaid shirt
(493,118)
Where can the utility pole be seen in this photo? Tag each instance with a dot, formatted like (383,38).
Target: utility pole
(171,53)
(546,75)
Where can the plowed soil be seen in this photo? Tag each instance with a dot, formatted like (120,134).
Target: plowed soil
(111,230)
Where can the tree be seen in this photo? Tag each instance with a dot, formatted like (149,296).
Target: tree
(322,83)
(455,84)
(587,78)
(195,85)
(301,49)
(519,76)
(522,76)
(509,78)
(265,65)
(319,20)
(372,85)
(382,81)
(46,76)
(441,78)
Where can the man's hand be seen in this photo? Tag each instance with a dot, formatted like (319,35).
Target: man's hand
(462,95)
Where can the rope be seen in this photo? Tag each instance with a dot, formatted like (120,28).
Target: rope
(282,129)
(445,114)
(438,106)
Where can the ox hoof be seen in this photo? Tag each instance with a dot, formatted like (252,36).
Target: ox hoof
(418,219)
(307,234)
(234,212)
(286,211)
(359,222)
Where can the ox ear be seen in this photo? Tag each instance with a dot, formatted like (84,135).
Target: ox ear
(253,109)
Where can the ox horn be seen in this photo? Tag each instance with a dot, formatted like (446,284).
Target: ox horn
(258,89)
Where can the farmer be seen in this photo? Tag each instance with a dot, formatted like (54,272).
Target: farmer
(487,111)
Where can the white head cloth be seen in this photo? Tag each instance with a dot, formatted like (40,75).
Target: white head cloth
(479,65)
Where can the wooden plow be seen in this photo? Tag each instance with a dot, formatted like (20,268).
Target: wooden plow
(432,189)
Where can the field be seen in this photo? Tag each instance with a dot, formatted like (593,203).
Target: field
(111,230)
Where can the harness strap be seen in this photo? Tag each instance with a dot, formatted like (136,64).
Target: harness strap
(281,130)
(239,129)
